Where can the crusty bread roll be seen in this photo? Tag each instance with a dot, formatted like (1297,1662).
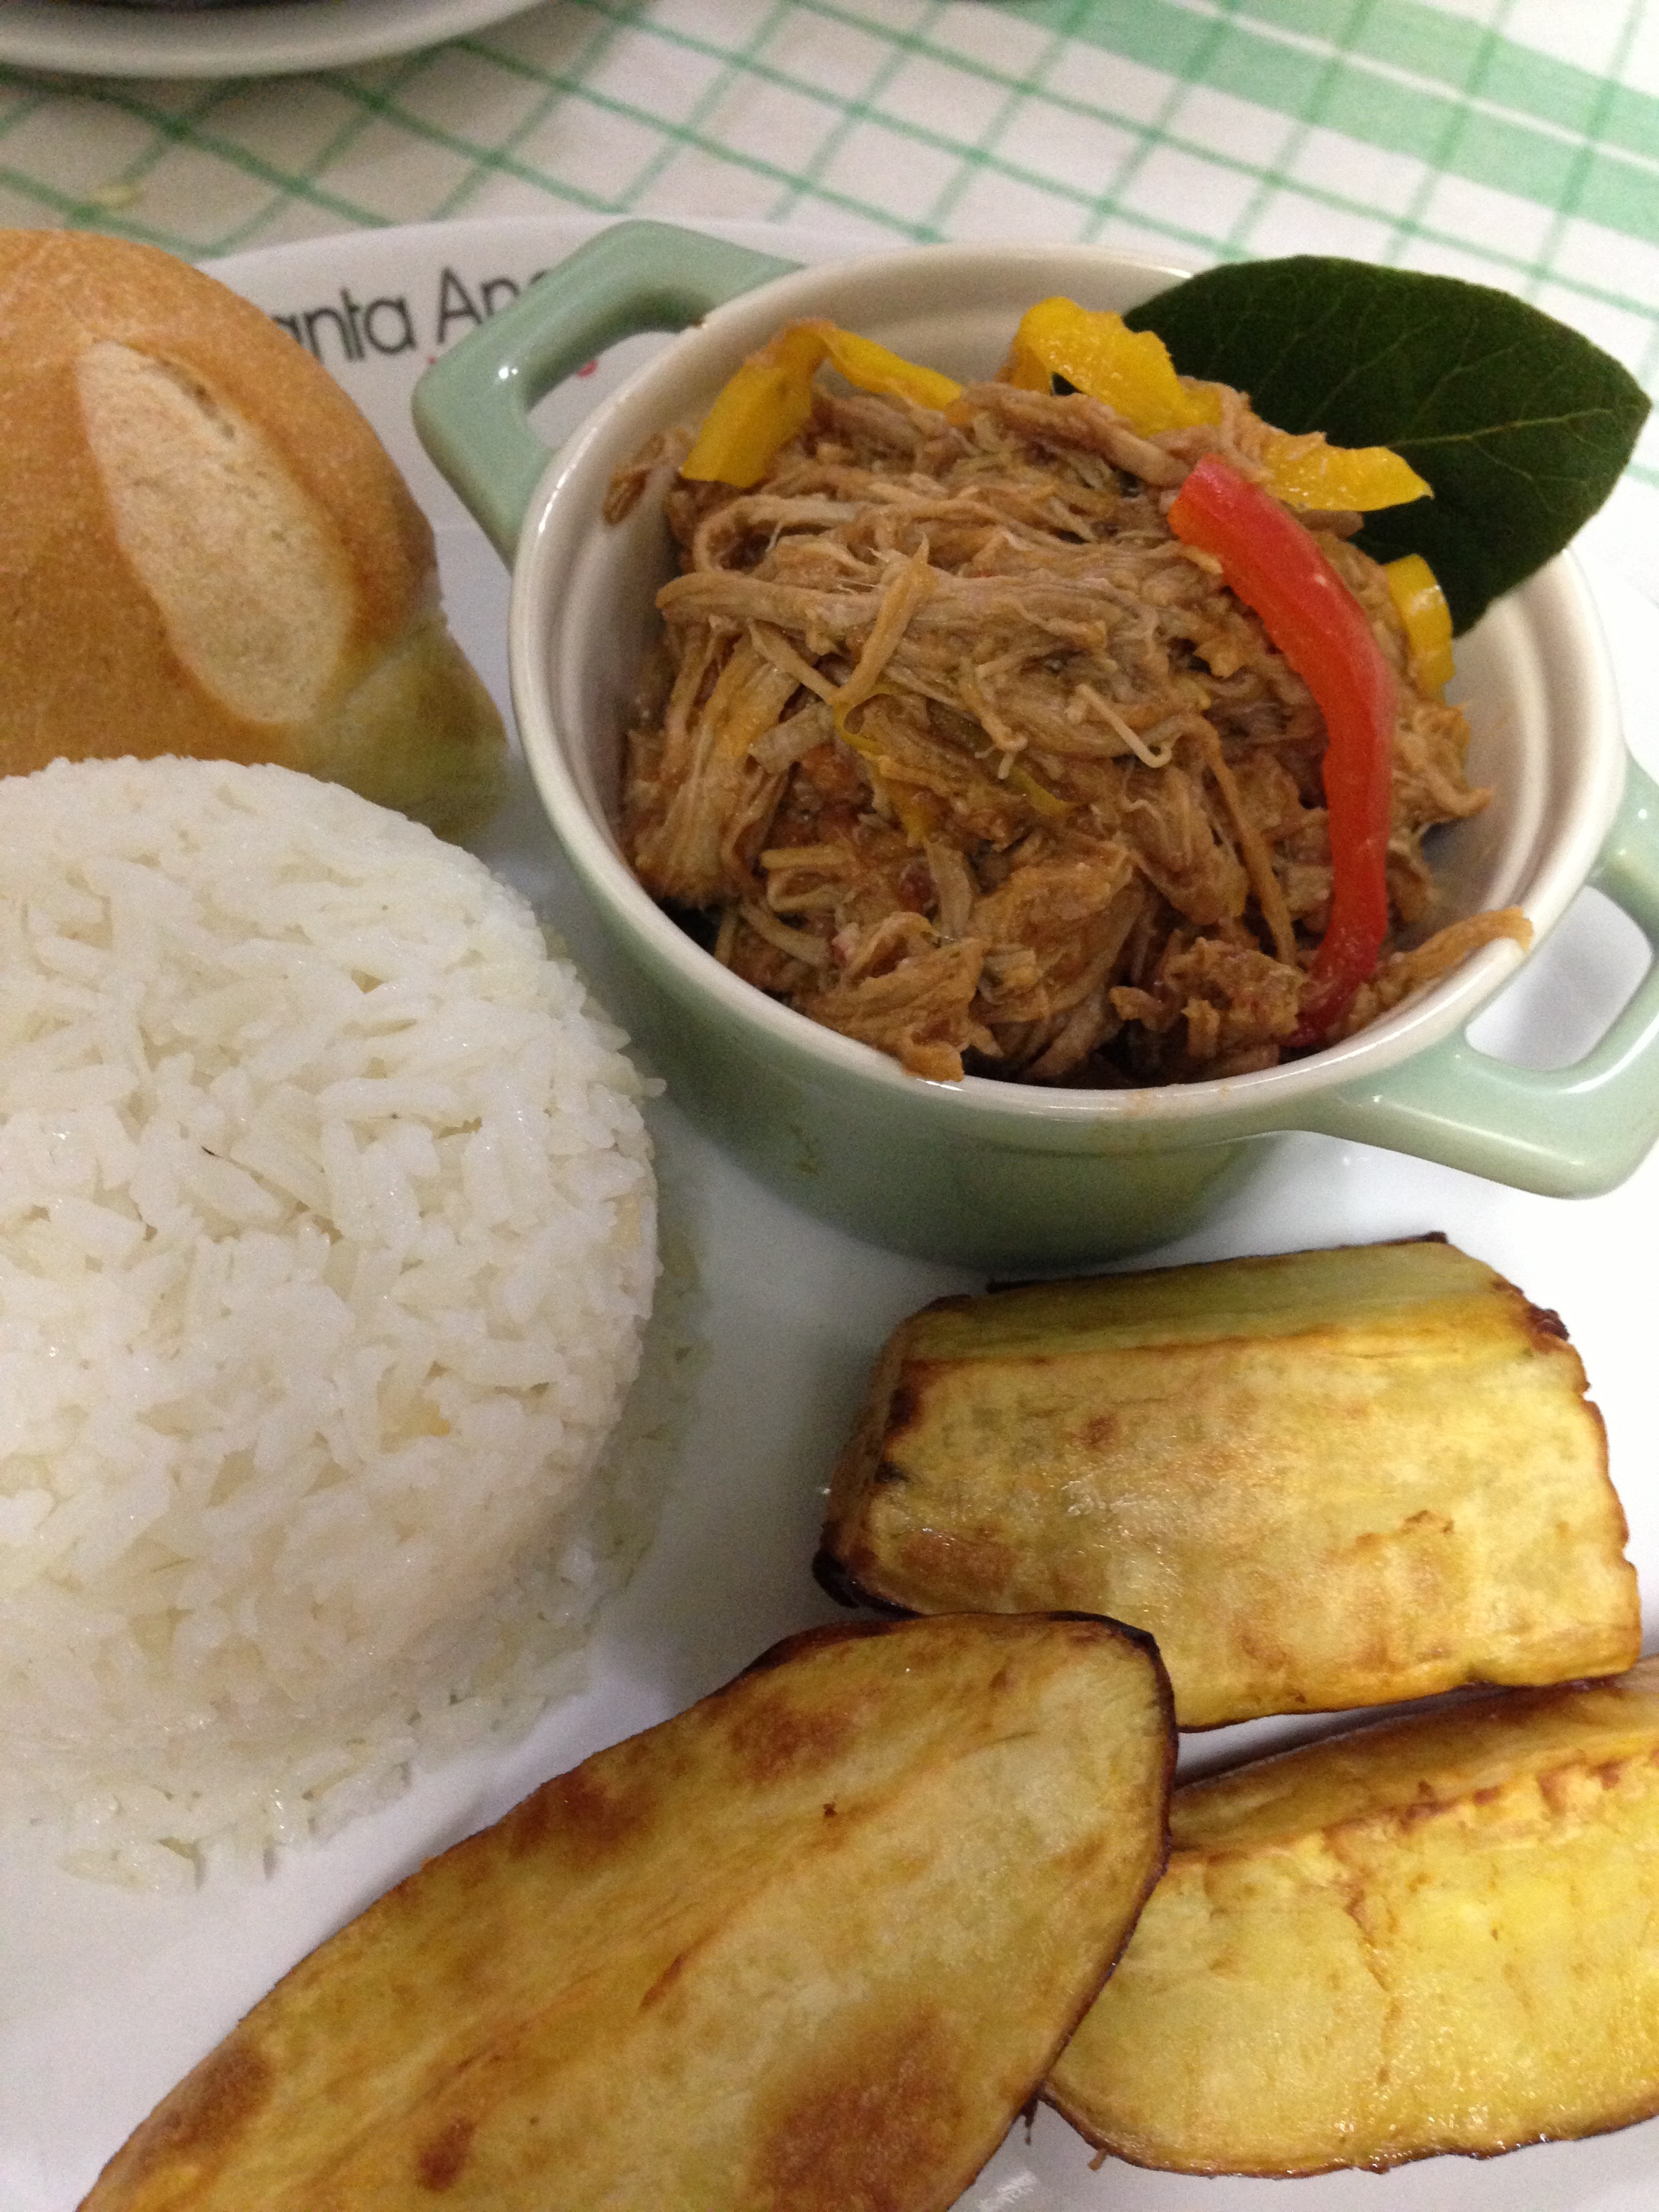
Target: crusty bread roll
(205,550)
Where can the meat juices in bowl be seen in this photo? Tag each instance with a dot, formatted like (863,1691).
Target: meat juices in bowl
(983,1171)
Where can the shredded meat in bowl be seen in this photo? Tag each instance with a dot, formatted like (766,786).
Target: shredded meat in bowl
(955,747)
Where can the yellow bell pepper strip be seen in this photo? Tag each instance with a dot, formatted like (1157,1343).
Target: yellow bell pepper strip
(1097,352)
(1422,608)
(1130,371)
(871,367)
(1306,471)
(1022,368)
(1276,567)
(768,400)
(917,809)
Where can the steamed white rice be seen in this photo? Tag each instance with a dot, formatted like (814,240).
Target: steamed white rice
(326,1243)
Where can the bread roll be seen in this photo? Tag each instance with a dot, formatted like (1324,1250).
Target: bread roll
(206,550)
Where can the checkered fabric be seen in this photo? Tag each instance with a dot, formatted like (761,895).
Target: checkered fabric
(1515,142)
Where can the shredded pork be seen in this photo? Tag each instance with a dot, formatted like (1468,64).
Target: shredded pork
(956,748)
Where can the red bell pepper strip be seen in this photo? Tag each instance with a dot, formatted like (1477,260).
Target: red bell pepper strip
(1276,567)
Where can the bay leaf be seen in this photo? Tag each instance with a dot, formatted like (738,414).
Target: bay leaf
(1520,422)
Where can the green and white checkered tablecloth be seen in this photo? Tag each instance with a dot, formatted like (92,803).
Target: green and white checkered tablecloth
(1515,142)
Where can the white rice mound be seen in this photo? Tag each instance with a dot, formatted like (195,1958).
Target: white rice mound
(327,1238)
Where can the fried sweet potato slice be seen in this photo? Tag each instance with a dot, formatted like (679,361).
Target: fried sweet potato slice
(811,1944)
(1322,1480)
(1431,1934)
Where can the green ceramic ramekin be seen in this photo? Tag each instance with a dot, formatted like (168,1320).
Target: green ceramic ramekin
(984,1173)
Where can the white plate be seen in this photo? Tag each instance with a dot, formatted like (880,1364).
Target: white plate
(87,39)
(106,1998)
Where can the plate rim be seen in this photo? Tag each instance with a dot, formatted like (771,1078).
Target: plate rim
(91,37)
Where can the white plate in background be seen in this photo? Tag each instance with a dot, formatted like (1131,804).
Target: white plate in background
(271,38)
(107,1997)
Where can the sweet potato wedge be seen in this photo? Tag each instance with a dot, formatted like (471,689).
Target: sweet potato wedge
(811,1943)
(1323,1481)
(1432,1934)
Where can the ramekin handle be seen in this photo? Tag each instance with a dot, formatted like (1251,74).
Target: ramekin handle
(473,407)
(1568,1133)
